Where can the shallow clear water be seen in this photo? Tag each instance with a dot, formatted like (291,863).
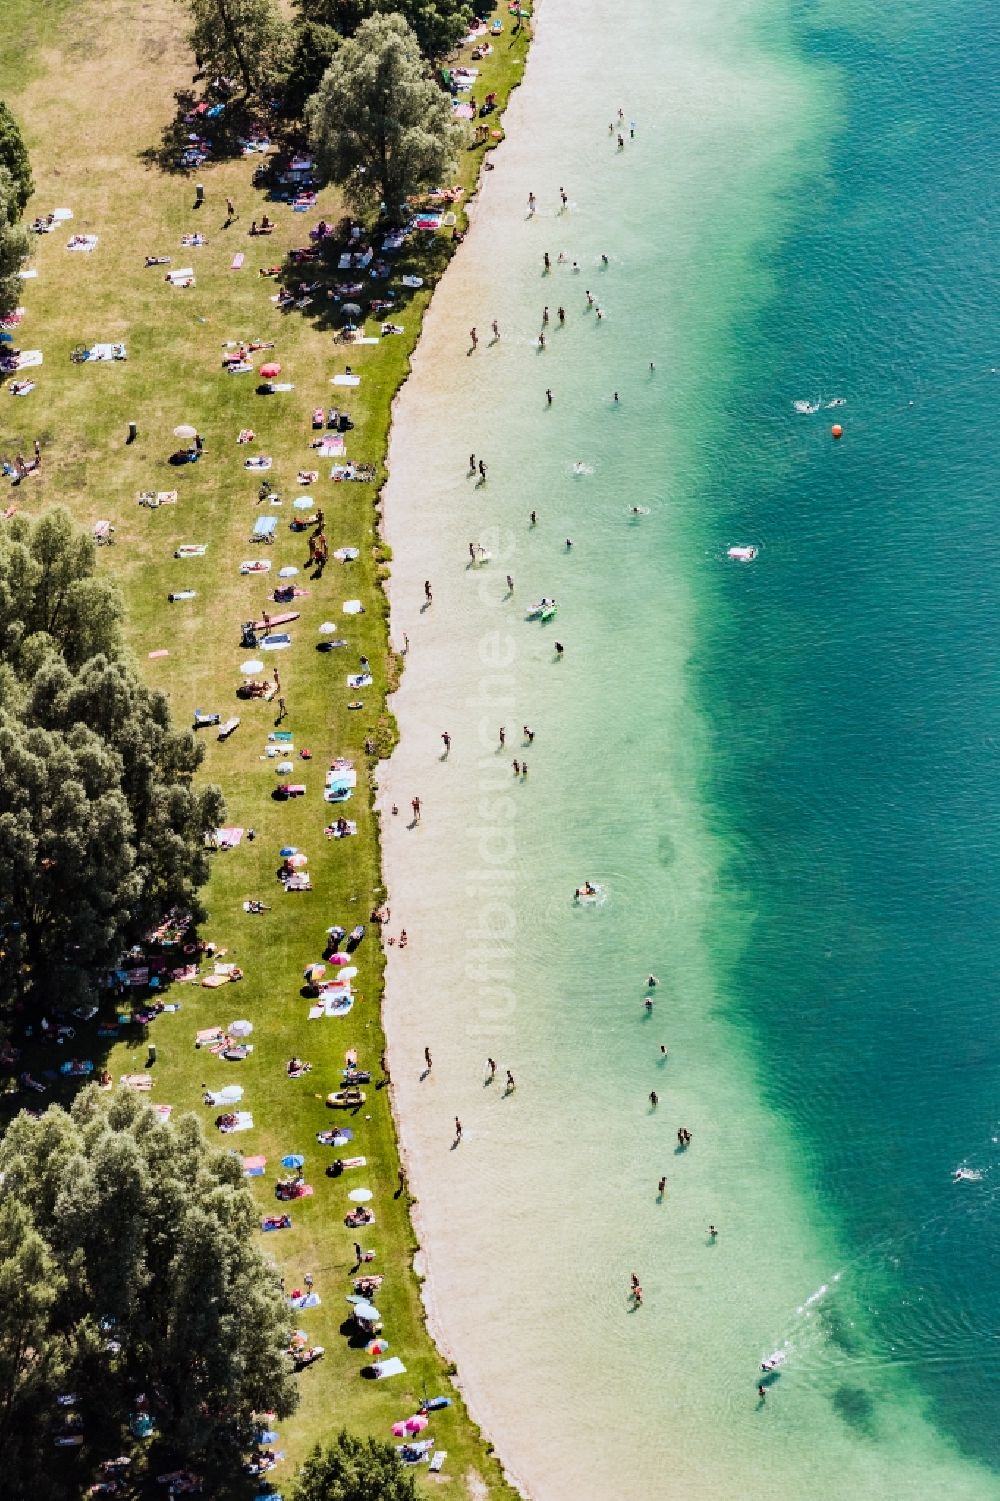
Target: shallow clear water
(781,774)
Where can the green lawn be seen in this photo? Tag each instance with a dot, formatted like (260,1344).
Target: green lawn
(92,83)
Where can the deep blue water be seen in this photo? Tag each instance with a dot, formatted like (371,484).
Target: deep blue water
(852,682)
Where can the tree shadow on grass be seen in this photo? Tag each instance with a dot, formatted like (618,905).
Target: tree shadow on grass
(208,129)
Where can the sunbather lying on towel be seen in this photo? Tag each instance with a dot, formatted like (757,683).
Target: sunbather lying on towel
(157,260)
(295,1068)
(358,1217)
(276,1222)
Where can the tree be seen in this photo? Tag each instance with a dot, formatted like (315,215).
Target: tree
(355,1469)
(313,47)
(246,38)
(438,24)
(15,241)
(102,830)
(14,157)
(128,1265)
(378,124)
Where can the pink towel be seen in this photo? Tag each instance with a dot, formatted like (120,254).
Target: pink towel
(161,653)
(237,262)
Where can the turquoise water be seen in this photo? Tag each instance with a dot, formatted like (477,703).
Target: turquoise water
(781,774)
(861,804)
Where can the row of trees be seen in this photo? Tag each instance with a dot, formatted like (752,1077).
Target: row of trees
(15,190)
(251,40)
(102,830)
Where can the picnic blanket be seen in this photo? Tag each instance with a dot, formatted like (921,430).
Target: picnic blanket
(253,1167)
(231,1094)
(182,277)
(82,242)
(346,380)
(244,1122)
(28,358)
(229,837)
(331,1006)
(107,352)
(264,529)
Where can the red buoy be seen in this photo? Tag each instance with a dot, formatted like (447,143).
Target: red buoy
(836,430)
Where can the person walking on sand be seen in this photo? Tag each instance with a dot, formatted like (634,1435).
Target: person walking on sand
(533,518)
(545,316)
(562,315)
(474,337)
(472,463)
(524,769)
(634,1280)
(503,737)
(282,710)
(496,331)
(531,203)
(458,1130)
(662,1186)
(517,768)
(415,805)
(428,596)
(546,262)
(548,396)
(482,471)
(427,1058)
(562,196)
(231,213)
(491,1064)
(528,734)
(510,1082)
(510,584)
(446,739)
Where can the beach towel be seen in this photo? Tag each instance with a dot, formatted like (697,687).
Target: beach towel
(185,273)
(162,652)
(260,462)
(82,242)
(437,1462)
(21,387)
(353,607)
(230,1095)
(229,837)
(208,1034)
(342,778)
(461,112)
(346,554)
(163,1111)
(305,1300)
(346,380)
(29,358)
(212,982)
(331,446)
(391,1367)
(412,281)
(264,528)
(192,550)
(253,1167)
(142,1083)
(359,680)
(107,352)
(255,565)
(28,275)
(276,642)
(331,1006)
(244,1122)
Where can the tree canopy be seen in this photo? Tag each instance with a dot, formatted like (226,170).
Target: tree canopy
(15,243)
(354,1469)
(101,828)
(379,125)
(244,39)
(14,157)
(437,24)
(128,1266)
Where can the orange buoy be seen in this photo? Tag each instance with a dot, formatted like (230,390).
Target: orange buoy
(836,430)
